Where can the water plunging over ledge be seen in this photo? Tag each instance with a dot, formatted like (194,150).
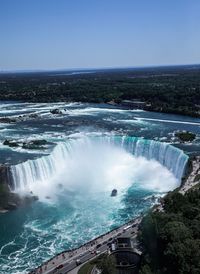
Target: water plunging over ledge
(77,177)
(45,168)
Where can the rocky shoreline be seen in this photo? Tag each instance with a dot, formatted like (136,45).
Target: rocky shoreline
(193,177)
(188,182)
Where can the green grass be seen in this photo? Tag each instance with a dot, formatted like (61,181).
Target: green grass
(86,268)
(185,136)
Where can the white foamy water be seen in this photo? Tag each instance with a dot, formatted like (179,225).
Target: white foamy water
(168,121)
(75,180)
(101,164)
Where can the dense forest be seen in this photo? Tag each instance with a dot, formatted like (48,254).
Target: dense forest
(172,237)
(165,89)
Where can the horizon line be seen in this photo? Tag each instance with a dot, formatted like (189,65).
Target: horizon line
(2,71)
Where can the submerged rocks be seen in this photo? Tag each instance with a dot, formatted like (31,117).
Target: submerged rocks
(10,143)
(33,144)
(7,120)
(33,116)
(20,118)
(10,206)
(56,111)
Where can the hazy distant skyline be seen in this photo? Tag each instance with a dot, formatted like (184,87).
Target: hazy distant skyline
(68,34)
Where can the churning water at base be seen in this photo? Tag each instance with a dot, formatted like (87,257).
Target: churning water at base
(103,162)
(74,184)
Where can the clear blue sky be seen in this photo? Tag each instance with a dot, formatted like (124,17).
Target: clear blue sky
(53,34)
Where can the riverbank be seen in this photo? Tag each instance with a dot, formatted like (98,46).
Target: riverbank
(68,258)
(194,177)
(170,234)
(172,89)
(66,261)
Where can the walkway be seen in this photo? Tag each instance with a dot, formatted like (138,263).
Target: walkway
(66,261)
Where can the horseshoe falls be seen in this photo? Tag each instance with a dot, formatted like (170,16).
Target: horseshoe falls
(45,171)
(74,183)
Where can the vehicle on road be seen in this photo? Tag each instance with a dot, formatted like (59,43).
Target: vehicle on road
(113,248)
(59,266)
(78,262)
(97,252)
(127,227)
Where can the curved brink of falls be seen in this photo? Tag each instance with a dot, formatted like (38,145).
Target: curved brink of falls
(48,167)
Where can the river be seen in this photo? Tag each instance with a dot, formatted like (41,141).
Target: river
(91,150)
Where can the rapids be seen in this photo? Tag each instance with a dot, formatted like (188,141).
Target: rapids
(93,153)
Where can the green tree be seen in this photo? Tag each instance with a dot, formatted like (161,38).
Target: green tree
(107,265)
(146,270)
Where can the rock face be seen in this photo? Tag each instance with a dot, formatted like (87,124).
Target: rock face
(8,199)
(4,176)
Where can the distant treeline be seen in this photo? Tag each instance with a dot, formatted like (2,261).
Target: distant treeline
(172,238)
(165,89)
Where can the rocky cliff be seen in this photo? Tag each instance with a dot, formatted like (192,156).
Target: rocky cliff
(8,199)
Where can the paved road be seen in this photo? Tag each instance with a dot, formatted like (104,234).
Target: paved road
(67,260)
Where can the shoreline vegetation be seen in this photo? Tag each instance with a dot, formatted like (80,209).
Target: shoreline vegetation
(167,217)
(185,136)
(173,89)
(170,233)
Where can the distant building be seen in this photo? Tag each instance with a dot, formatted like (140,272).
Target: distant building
(133,104)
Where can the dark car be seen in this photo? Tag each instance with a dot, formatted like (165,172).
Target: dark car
(78,262)
(98,245)
(59,266)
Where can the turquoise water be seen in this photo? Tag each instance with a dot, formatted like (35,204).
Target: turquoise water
(75,205)
(33,234)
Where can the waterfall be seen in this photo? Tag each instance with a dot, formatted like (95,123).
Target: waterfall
(50,166)
(174,159)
